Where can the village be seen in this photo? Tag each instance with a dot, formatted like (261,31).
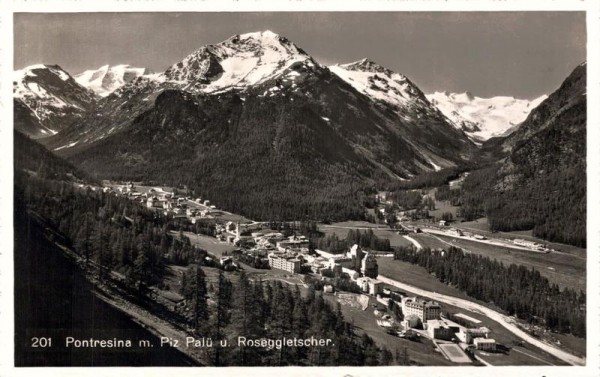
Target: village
(458,337)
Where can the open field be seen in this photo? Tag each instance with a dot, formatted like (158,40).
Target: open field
(381,231)
(354,300)
(566,270)
(443,206)
(573,343)
(481,226)
(416,276)
(208,243)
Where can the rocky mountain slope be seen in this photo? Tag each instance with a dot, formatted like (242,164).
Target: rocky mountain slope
(278,67)
(483,118)
(47,99)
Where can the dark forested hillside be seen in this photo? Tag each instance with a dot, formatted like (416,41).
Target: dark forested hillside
(269,158)
(541,183)
(33,157)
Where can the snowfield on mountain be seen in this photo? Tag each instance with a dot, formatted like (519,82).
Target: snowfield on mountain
(484,118)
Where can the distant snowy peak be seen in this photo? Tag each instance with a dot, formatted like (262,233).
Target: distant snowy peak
(483,118)
(379,83)
(50,96)
(236,63)
(32,82)
(106,79)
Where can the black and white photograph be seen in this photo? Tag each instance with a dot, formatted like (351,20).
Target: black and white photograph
(301,189)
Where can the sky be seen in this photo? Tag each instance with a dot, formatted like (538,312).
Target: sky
(520,54)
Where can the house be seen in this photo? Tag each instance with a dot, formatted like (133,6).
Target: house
(294,244)
(328,288)
(468,335)
(485,344)
(369,285)
(353,274)
(443,223)
(441,329)
(154,202)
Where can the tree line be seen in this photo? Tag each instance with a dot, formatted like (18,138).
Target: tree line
(552,204)
(109,230)
(271,310)
(519,291)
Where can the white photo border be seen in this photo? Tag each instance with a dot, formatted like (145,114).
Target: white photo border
(8,7)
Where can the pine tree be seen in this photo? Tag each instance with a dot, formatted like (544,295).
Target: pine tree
(221,317)
(201,314)
(245,319)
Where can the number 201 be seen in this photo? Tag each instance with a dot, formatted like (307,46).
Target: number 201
(41,342)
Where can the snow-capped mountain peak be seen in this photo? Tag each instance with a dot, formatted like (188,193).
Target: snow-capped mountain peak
(483,118)
(238,62)
(367,65)
(106,79)
(50,96)
(378,82)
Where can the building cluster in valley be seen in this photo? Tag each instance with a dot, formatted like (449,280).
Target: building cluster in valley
(170,201)
(419,313)
(292,254)
(265,248)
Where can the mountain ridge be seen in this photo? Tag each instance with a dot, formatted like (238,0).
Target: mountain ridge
(276,65)
(47,99)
